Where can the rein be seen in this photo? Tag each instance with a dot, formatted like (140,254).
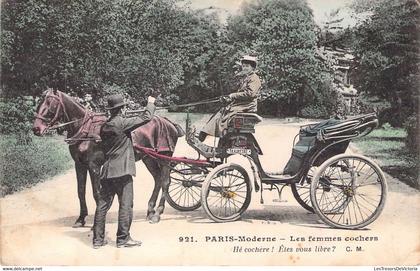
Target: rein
(207,101)
(61,108)
(62,124)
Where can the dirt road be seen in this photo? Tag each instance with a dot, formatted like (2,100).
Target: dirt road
(36,226)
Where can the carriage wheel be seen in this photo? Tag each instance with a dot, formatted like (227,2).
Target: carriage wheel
(301,190)
(348,191)
(185,187)
(226,192)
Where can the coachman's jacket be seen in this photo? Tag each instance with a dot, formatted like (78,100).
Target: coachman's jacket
(244,100)
(118,146)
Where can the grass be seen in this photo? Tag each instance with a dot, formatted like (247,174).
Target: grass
(24,165)
(386,145)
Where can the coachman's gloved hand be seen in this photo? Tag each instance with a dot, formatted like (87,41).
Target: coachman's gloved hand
(225,99)
(155,93)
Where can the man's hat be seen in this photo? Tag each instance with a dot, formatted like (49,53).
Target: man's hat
(115,101)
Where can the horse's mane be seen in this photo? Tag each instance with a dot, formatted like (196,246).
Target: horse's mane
(74,99)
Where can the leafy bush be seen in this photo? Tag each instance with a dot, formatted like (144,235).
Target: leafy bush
(314,111)
(23,165)
(16,116)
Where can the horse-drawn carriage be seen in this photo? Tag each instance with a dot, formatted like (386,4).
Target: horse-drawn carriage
(344,190)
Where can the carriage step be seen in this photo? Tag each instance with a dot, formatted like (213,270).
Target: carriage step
(278,173)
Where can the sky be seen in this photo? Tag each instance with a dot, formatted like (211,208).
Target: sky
(319,7)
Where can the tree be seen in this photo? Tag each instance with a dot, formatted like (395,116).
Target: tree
(101,46)
(282,34)
(387,49)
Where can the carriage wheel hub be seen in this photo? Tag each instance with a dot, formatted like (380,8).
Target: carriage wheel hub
(228,194)
(348,191)
(187,183)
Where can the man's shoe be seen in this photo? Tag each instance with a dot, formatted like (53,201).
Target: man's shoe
(97,245)
(130,243)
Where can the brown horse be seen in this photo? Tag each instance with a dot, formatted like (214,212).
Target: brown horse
(83,128)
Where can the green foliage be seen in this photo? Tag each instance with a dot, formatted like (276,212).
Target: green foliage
(16,116)
(281,33)
(387,49)
(361,6)
(85,46)
(315,112)
(105,46)
(23,165)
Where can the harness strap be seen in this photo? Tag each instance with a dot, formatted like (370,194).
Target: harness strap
(154,154)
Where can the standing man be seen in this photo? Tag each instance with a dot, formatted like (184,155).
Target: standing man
(244,100)
(118,169)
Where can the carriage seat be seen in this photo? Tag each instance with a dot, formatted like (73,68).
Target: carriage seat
(243,122)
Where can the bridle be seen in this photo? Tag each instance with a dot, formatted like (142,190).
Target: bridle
(60,109)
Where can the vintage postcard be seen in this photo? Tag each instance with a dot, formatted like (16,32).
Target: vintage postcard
(267,144)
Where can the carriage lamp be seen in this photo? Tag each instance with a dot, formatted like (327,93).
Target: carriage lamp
(238,123)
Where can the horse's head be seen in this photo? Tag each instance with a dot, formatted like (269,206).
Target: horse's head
(49,112)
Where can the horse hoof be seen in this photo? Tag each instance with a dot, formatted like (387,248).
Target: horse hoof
(154,219)
(79,224)
(150,215)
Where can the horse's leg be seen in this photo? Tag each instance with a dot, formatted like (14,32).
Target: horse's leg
(154,169)
(81,174)
(95,180)
(164,177)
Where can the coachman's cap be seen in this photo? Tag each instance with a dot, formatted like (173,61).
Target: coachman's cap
(115,101)
(249,59)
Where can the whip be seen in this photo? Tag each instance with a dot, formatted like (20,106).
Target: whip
(207,101)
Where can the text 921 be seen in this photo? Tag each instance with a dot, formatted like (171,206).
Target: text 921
(186,239)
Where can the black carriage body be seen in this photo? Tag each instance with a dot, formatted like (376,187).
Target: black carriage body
(308,146)
(238,138)
(317,143)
